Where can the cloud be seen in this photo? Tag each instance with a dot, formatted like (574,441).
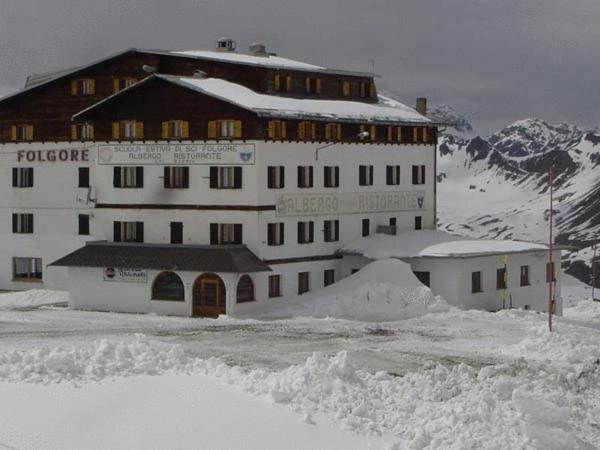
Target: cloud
(497,60)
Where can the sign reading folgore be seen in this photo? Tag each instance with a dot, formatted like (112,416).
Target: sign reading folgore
(176,154)
(350,203)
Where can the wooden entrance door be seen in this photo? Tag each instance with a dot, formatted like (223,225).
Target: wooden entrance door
(208,296)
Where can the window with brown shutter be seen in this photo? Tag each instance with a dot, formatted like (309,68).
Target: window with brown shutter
(22,133)
(276,129)
(333,131)
(307,131)
(303,282)
(225,177)
(331,230)
(176,177)
(365,175)
(128,231)
(312,85)
(476,282)
(225,233)
(22,223)
(175,129)
(418,175)
(82,132)
(83,86)
(122,83)
(225,129)
(22,177)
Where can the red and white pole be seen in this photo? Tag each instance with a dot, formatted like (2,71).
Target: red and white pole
(595,248)
(550,269)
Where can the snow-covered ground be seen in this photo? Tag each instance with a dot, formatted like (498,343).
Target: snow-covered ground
(451,379)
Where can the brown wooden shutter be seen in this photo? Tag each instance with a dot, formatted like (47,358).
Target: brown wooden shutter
(390,133)
(73,87)
(415,134)
(214,177)
(339,132)
(337,176)
(15,177)
(116,87)
(139,177)
(29,131)
(307,85)
(167,177)
(271,129)
(346,89)
(214,234)
(237,129)
(277,83)
(313,130)
(425,135)
(318,85)
(13,133)
(399,134)
(139,130)
(372,92)
(237,177)
(139,232)
(327,131)
(92,87)
(90,132)
(212,129)
(185,129)
(117,231)
(116,130)
(311,231)
(74,132)
(237,233)
(186,177)
(165,130)
(288,83)
(373,132)
(301,131)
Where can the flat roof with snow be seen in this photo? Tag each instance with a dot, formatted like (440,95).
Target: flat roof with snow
(434,244)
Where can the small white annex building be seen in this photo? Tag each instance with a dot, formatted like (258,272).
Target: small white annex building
(468,273)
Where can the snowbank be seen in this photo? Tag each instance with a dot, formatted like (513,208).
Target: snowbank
(517,405)
(382,290)
(31,299)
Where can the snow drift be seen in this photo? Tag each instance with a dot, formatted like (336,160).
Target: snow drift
(382,290)
(31,299)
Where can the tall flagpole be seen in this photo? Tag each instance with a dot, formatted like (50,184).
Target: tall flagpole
(550,270)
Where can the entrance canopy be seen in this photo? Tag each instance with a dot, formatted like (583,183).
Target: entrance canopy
(200,258)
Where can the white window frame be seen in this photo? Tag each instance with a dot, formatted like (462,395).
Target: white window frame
(128,129)
(226,179)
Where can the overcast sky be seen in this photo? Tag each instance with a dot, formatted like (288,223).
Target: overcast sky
(497,61)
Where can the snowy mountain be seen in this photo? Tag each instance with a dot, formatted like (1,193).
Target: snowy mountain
(497,187)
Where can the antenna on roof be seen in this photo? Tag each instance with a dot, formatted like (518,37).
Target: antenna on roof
(372,61)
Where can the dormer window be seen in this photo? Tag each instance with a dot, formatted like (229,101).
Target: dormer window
(83,86)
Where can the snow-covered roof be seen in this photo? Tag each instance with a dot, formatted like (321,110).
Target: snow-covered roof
(285,107)
(434,244)
(254,60)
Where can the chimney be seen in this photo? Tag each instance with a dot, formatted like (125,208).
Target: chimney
(226,45)
(422,105)
(258,49)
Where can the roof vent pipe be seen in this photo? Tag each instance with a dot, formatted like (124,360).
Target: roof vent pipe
(422,106)
(258,49)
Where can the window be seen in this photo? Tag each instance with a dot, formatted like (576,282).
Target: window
(306,232)
(274,286)
(525,276)
(392,175)
(305,176)
(418,222)
(175,129)
(303,282)
(276,177)
(82,132)
(128,231)
(501,278)
(393,222)
(418,174)
(420,135)
(83,224)
(307,131)
(22,177)
(550,272)
(476,282)
(168,286)
(333,132)
(122,83)
(128,129)
(27,269)
(312,85)
(225,177)
(346,88)
(275,233)
(84,177)
(365,175)
(331,176)
(276,129)
(366,227)
(22,223)
(371,130)
(331,230)
(21,132)
(282,83)
(128,177)
(225,233)
(245,290)
(176,232)
(84,86)
(424,277)
(367,89)
(225,129)
(328,277)
(176,177)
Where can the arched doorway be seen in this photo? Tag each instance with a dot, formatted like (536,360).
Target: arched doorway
(245,290)
(208,296)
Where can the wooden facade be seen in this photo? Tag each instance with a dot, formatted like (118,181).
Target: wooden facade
(47,108)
